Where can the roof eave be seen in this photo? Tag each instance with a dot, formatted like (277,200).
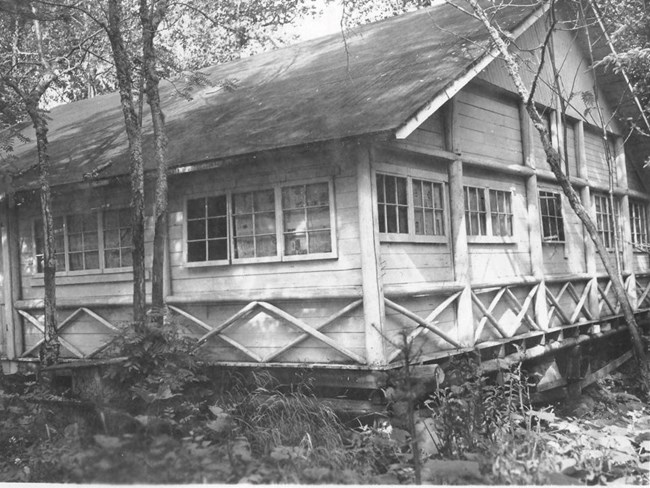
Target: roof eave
(412,123)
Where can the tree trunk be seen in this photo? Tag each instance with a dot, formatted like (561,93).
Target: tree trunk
(134,135)
(555,162)
(150,17)
(49,352)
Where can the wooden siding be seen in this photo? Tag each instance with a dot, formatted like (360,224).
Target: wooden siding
(597,167)
(573,64)
(431,133)
(294,275)
(490,259)
(489,127)
(567,257)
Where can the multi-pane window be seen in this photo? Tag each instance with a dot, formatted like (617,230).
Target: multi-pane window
(550,209)
(428,208)
(501,212)
(265,224)
(605,219)
(639,223)
(79,244)
(409,207)
(207,234)
(475,211)
(392,204)
(253,219)
(306,216)
(481,203)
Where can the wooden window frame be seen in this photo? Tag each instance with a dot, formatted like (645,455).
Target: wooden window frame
(610,214)
(410,175)
(558,220)
(489,237)
(101,269)
(639,225)
(279,256)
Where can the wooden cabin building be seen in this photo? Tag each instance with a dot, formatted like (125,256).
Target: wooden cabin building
(327,197)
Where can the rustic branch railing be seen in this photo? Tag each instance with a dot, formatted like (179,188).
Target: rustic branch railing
(253,308)
(61,329)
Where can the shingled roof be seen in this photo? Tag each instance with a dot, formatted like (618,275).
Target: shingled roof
(324,89)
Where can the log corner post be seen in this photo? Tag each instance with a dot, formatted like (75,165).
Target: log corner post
(460,248)
(13,337)
(373,294)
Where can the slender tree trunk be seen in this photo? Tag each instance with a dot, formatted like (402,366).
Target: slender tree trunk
(555,162)
(49,353)
(150,16)
(134,135)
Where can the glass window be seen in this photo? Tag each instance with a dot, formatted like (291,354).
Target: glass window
(253,217)
(475,211)
(639,223)
(207,234)
(392,204)
(428,208)
(306,219)
(605,219)
(59,244)
(118,238)
(481,203)
(550,208)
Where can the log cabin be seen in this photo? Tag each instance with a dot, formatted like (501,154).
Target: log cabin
(328,198)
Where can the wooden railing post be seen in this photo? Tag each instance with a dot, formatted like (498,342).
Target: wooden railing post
(459,247)
(373,294)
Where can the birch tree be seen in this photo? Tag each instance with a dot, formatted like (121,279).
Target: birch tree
(35,57)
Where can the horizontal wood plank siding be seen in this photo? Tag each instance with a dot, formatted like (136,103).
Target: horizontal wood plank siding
(327,273)
(489,127)
(595,155)
(431,133)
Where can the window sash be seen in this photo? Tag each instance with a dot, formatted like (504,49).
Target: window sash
(552,219)
(605,220)
(639,223)
(271,224)
(83,241)
(488,212)
(410,208)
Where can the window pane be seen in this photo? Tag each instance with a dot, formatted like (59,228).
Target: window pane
(403,220)
(127,257)
(217,227)
(112,238)
(265,223)
(92,260)
(320,242)
(244,247)
(76,261)
(401,190)
(391,217)
(266,246)
(428,222)
(318,194)
(419,221)
(417,193)
(318,218)
(381,194)
(91,240)
(391,192)
(293,197)
(428,195)
(196,208)
(112,259)
(243,225)
(294,221)
(195,230)
(217,249)
(75,243)
(295,244)
(111,219)
(196,251)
